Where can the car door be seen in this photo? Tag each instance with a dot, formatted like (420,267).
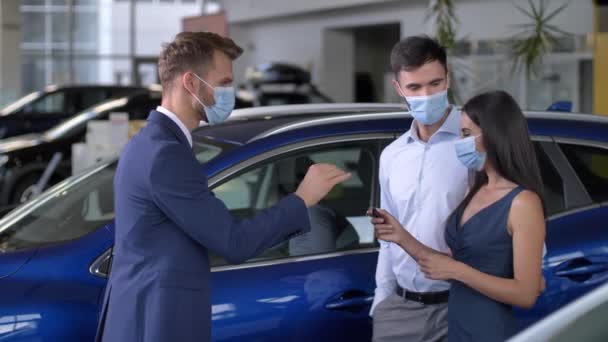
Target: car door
(576,189)
(585,263)
(318,285)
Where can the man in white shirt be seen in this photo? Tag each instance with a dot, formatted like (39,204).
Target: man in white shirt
(421,182)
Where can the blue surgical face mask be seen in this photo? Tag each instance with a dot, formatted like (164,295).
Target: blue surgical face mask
(223,106)
(428,110)
(468,154)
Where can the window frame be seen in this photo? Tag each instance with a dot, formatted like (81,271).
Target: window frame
(28,110)
(104,260)
(582,143)
(572,178)
(290,149)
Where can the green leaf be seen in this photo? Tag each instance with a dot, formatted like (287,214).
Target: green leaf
(536,38)
(524,11)
(556,12)
(534,11)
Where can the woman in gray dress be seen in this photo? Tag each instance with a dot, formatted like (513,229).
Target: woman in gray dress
(497,233)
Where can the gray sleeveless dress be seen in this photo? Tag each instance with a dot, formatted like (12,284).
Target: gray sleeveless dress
(483,243)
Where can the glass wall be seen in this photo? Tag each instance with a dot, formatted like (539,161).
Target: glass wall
(45,42)
(486,65)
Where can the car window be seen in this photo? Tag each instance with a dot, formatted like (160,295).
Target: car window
(591,165)
(553,185)
(71,209)
(51,103)
(338,223)
(79,100)
(65,213)
(206,149)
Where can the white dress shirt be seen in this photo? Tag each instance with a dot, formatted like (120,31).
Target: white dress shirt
(177,121)
(421,185)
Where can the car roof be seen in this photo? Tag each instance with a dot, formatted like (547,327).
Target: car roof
(249,124)
(320,108)
(245,124)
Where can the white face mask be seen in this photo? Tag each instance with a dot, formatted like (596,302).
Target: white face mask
(429,109)
(467,153)
(224,98)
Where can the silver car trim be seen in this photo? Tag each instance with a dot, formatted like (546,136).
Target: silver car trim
(313,109)
(566,116)
(293,259)
(95,268)
(581,142)
(328,120)
(543,138)
(294,147)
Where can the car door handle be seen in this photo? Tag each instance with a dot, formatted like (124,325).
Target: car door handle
(349,303)
(583,270)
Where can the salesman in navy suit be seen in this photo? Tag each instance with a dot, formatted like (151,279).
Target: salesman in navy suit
(166,216)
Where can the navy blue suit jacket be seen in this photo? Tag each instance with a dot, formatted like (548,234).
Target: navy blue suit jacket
(166,221)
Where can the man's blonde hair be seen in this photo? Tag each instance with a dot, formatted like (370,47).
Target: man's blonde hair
(192,50)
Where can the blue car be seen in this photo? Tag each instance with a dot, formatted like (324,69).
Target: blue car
(55,250)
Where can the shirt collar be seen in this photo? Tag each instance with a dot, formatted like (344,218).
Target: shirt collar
(177,121)
(451,126)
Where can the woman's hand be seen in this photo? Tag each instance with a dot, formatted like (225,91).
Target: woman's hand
(438,266)
(433,264)
(387,227)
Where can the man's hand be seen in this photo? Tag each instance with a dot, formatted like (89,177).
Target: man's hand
(319,181)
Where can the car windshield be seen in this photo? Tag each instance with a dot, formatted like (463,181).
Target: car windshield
(15,106)
(75,207)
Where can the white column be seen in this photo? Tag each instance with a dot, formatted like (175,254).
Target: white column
(10,50)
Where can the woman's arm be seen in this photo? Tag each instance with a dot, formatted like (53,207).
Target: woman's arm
(527,223)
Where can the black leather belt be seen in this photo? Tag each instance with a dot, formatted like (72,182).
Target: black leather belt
(424,298)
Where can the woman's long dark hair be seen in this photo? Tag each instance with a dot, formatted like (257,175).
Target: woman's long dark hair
(507,141)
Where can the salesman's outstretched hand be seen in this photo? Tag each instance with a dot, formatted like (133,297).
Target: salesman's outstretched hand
(319,181)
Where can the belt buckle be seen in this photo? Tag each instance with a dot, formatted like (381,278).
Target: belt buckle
(419,297)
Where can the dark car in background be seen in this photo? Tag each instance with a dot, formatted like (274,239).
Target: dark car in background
(41,110)
(23,159)
(272,84)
